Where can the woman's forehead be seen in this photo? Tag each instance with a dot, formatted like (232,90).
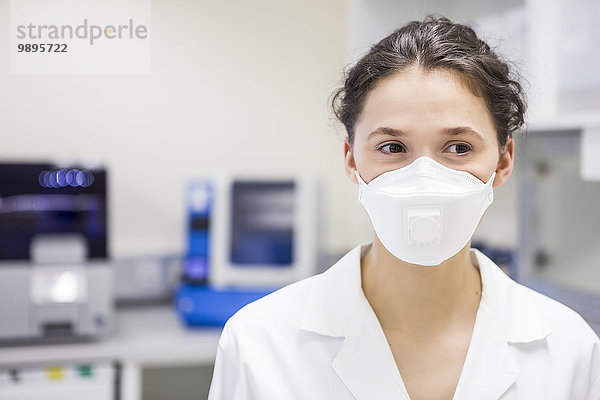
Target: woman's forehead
(414,100)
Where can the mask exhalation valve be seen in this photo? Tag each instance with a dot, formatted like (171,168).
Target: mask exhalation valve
(424,226)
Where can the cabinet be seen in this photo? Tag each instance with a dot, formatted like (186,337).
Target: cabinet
(146,340)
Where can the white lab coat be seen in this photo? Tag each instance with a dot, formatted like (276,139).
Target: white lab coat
(320,339)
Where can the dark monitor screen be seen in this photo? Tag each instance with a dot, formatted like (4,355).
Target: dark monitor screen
(263,223)
(45,199)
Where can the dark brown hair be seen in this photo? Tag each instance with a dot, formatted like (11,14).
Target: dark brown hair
(435,43)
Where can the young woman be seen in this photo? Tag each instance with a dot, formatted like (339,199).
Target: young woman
(416,314)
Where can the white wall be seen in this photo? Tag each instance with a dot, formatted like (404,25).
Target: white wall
(236,85)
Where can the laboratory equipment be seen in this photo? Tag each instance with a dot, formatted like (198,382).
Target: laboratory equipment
(55,277)
(92,380)
(559,217)
(263,231)
(199,204)
(204,305)
(246,238)
(146,279)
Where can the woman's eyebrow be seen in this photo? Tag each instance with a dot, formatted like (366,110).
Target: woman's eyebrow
(461,129)
(384,130)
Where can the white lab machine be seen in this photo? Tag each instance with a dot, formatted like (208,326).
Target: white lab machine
(55,277)
(263,231)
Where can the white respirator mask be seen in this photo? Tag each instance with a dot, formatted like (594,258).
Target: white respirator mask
(425,213)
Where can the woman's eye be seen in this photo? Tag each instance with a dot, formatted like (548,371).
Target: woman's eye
(459,148)
(392,148)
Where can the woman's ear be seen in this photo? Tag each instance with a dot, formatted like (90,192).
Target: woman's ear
(505,163)
(349,162)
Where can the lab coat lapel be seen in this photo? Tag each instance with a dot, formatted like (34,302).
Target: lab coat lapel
(505,316)
(489,368)
(337,307)
(365,364)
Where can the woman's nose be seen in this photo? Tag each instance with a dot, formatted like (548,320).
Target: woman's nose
(425,152)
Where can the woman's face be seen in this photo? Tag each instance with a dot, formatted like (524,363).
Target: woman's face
(415,113)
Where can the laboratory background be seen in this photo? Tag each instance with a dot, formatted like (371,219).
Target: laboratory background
(156,184)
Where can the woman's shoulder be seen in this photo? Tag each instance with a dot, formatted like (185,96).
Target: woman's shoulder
(565,322)
(284,306)
(530,313)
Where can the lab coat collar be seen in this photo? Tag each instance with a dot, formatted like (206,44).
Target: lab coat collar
(516,317)
(337,307)
(333,300)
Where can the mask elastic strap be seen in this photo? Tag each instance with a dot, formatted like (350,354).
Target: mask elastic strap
(491,178)
(360,180)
